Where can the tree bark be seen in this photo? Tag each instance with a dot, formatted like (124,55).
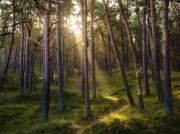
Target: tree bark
(130,39)
(105,57)
(46,83)
(82,80)
(6,65)
(109,57)
(21,84)
(144,58)
(155,53)
(59,60)
(84,21)
(92,52)
(122,43)
(166,59)
(130,98)
(27,65)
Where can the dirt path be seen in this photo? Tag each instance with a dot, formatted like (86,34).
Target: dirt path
(78,127)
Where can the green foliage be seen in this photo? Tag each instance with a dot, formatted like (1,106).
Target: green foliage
(111,113)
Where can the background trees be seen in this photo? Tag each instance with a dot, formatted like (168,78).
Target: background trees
(122,34)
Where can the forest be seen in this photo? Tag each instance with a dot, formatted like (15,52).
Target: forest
(89,66)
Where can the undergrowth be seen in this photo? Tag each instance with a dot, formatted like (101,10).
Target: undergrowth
(110,110)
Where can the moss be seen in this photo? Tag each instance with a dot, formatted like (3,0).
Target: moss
(110,113)
(49,128)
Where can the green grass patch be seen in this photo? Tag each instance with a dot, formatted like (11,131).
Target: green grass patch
(110,110)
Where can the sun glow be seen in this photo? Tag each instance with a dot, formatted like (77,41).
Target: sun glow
(75,24)
(75,20)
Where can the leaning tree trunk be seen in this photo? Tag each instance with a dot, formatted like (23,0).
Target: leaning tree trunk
(130,39)
(59,60)
(166,59)
(134,50)
(131,100)
(155,52)
(92,52)
(84,21)
(46,83)
(122,40)
(6,65)
(144,58)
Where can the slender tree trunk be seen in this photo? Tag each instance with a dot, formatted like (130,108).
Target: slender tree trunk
(130,39)
(82,66)
(92,52)
(109,57)
(139,39)
(131,100)
(82,81)
(6,65)
(31,67)
(149,42)
(166,59)
(59,60)
(21,84)
(27,58)
(46,83)
(155,53)
(127,46)
(105,57)
(139,88)
(52,71)
(62,47)
(15,60)
(30,77)
(122,43)
(84,21)
(87,101)
(144,58)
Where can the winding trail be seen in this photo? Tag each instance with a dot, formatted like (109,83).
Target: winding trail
(79,126)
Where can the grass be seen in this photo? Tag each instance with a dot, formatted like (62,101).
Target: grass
(111,112)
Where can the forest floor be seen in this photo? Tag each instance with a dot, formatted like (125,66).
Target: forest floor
(110,110)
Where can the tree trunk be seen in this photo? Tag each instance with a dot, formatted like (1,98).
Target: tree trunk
(27,58)
(109,57)
(139,88)
(131,100)
(15,60)
(149,42)
(30,78)
(6,65)
(130,39)
(155,52)
(59,60)
(82,70)
(46,83)
(92,52)
(52,71)
(122,43)
(21,84)
(144,58)
(166,59)
(105,57)
(84,21)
